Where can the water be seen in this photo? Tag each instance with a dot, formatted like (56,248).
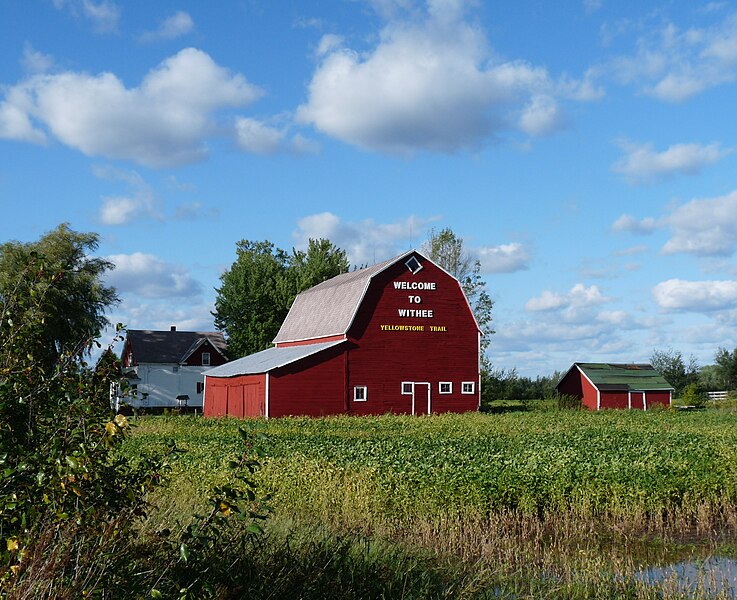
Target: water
(709,577)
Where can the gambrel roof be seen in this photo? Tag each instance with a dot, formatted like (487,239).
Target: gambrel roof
(169,347)
(329,308)
(622,376)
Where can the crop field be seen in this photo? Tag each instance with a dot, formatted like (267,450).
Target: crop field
(516,495)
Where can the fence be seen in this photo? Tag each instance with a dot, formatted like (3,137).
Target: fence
(717,395)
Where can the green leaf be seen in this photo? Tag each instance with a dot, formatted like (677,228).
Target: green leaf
(184,552)
(156,593)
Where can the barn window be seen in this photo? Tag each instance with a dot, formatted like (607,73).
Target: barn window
(468,387)
(360,393)
(408,387)
(205,359)
(446,387)
(413,265)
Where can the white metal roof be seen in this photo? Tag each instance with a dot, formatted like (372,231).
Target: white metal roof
(269,359)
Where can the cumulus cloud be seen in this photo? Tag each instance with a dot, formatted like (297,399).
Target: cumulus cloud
(675,64)
(174,26)
(162,122)
(147,276)
(366,242)
(696,296)
(630,224)
(103,15)
(257,137)
(642,164)
(506,258)
(705,227)
(579,298)
(430,83)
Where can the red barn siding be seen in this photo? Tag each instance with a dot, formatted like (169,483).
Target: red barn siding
(314,386)
(576,384)
(658,397)
(637,400)
(614,399)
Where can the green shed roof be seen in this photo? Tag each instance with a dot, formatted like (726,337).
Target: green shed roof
(624,376)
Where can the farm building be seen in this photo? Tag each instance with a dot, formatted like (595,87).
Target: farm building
(607,385)
(395,337)
(163,369)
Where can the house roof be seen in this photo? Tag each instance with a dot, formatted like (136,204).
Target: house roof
(329,308)
(170,346)
(269,359)
(623,377)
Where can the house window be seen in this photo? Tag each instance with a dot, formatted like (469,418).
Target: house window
(408,387)
(360,393)
(200,387)
(468,387)
(175,368)
(413,265)
(446,387)
(205,359)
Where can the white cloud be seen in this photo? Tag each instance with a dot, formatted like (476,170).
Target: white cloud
(642,164)
(177,25)
(366,242)
(675,64)
(578,300)
(121,210)
(705,227)
(163,122)
(146,276)
(34,61)
(431,83)
(506,258)
(103,15)
(632,225)
(254,136)
(696,296)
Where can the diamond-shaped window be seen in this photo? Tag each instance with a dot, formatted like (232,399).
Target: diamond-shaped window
(413,264)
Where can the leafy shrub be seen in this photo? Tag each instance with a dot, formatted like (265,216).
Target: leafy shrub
(569,401)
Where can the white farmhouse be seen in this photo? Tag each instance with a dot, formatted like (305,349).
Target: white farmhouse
(163,369)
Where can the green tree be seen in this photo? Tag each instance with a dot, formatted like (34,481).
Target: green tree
(260,286)
(323,260)
(726,368)
(671,365)
(67,281)
(446,249)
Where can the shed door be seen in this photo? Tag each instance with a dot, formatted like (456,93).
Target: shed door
(235,401)
(421,399)
(254,406)
(219,401)
(637,400)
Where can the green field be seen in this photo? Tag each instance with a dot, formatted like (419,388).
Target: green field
(567,501)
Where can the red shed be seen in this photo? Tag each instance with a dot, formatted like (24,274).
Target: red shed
(396,337)
(608,385)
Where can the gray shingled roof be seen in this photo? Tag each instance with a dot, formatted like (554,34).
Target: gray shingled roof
(328,308)
(267,360)
(170,346)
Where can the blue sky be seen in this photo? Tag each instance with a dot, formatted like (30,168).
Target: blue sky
(584,150)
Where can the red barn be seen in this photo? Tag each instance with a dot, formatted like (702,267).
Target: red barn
(607,385)
(396,337)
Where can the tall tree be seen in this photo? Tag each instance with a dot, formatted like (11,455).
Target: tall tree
(323,260)
(726,368)
(68,294)
(671,365)
(260,286)
(446,249)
